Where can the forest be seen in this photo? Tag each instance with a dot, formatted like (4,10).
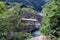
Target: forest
(19,21)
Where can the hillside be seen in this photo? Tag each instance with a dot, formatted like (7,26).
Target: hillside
(35,4)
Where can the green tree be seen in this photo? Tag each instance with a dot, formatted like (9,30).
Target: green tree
(26,10)
(20,36)
(51,19)
(10,22)
(2,7)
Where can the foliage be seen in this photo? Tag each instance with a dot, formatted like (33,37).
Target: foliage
(10,22)
(28,10)
(20,36)
(51,19)
(2,7)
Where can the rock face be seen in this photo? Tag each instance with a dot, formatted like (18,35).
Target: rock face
(33,23)
(31,15)
(36,4)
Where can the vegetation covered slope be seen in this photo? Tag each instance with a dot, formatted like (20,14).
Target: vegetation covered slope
(10,22)
(35,4)
(51,19)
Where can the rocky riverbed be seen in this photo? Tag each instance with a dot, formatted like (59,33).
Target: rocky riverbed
(41,37)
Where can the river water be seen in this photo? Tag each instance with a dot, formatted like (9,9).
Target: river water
(35,33)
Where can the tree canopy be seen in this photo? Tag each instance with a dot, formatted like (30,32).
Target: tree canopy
(10,22)
(2,7)
(51,19)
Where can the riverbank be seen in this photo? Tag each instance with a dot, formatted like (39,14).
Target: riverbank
(41,37)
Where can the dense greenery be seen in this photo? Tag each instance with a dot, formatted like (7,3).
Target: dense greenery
(2,7)
(10,22)
(28,10)
(51,19)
